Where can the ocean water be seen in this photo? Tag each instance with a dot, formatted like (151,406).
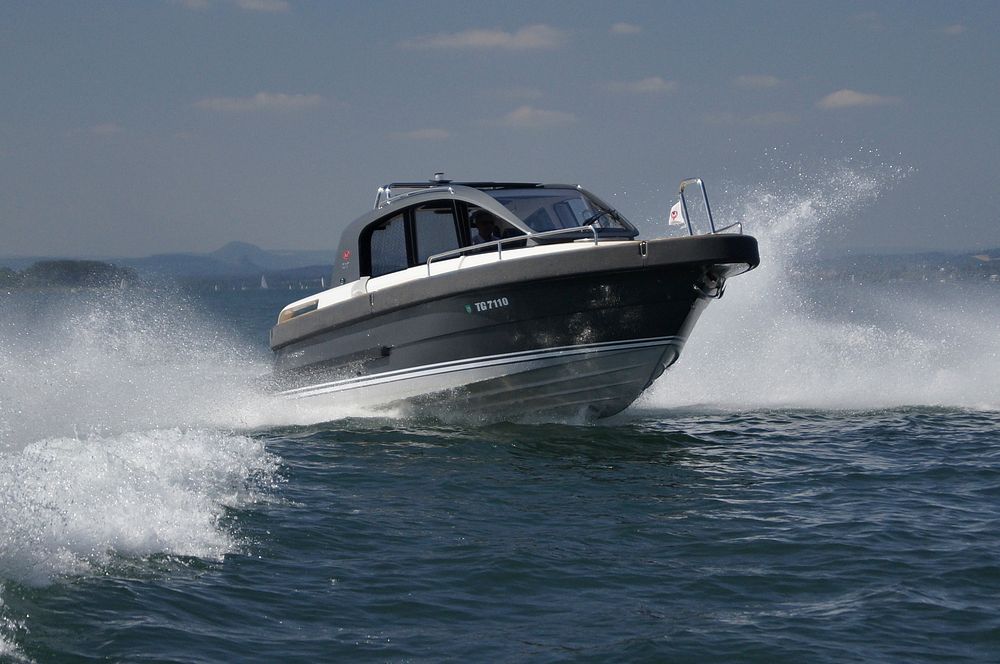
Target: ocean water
(817,479)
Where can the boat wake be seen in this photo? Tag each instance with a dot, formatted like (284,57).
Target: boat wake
(785,337)
(127,431)
(100,364)
(73,505)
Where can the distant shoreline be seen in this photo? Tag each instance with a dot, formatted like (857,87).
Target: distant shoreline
(67,274)
(243,266)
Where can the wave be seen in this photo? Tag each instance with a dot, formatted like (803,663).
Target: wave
(123,419)
(72,505)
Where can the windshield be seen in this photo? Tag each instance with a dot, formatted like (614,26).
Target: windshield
(552,209)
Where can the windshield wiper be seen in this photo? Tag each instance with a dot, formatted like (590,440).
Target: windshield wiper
(597,215)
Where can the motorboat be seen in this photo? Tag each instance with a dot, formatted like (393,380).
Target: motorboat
(503,299)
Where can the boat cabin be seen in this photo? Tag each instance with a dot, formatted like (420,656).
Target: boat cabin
(412,222)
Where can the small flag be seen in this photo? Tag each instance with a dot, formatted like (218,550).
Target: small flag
(677,215)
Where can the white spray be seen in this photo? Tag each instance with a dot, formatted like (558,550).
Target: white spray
(782,337)
(119,420)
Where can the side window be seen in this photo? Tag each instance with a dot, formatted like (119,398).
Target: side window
(388,246)
(435,229)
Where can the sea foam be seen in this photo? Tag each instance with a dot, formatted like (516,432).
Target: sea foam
(70,505)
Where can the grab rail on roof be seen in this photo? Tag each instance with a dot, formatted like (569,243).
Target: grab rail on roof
(384,194)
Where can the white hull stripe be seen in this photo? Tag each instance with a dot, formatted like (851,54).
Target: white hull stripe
(476,363)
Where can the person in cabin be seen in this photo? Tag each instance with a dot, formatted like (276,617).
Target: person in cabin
(486,227)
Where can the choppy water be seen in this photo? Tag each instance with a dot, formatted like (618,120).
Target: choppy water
(818,479)
(804,535)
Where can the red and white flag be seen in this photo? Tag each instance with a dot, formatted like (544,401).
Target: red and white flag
(677,215)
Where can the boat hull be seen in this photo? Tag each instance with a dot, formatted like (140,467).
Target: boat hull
(587,341)
(590,381)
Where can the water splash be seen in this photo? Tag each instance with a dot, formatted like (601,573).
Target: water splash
(81,365)
(103,363)
(784,337)
(71,505)
(117,412)
(126,432)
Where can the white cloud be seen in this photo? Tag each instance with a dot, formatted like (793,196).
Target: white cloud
(625,29)
(425,134)
(531,117)
(954,30)
(262,101)
(756,81)
(651,85)
(530,37)
(851,98)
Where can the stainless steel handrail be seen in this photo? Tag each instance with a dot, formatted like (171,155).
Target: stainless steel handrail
(708,208)
(384,194)
(478,248)
(732,225)
(704,194)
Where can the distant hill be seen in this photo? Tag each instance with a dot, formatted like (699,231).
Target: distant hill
(236,259)
(236,265)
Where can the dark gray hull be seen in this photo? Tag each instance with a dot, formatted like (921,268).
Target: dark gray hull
(578,333)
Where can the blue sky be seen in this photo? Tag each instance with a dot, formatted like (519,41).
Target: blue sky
(130,128)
